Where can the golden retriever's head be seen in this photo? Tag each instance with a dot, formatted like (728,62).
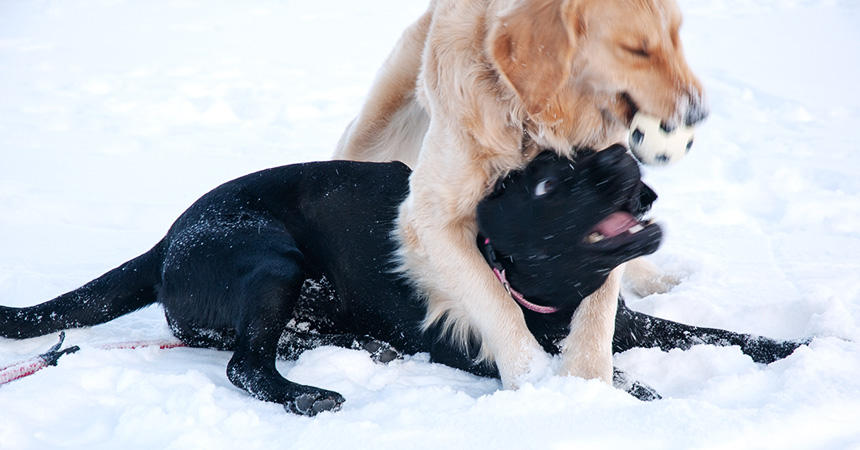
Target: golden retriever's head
(583,68)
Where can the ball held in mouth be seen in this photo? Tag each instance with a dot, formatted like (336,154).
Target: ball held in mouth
(657,143)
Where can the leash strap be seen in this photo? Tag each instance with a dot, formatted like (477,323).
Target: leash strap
(134,345)
(28,367)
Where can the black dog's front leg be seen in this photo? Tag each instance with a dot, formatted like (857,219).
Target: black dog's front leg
(635,329)
(620,380)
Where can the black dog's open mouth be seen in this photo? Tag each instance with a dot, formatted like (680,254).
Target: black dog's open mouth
(620,229)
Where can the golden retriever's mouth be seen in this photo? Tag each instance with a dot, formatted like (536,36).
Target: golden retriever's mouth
(627,108)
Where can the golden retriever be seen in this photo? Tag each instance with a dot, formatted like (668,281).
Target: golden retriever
(471,91)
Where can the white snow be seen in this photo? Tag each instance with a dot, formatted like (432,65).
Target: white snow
(116,115)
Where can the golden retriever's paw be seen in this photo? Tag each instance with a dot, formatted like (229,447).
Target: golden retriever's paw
(659,284)
(644,278)
(655,142)
(527,370)
(588,367)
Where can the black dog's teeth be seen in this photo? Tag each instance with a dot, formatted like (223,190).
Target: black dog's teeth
(594,238)
(635,228)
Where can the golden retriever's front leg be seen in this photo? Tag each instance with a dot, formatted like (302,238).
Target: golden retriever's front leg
(462,290)
(587,351)
(436,230)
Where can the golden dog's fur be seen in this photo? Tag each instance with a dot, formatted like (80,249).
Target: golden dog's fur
(471,91)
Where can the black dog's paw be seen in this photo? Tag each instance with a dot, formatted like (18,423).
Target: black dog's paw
(313,403)
(765,351)
(641,391)
(381,352)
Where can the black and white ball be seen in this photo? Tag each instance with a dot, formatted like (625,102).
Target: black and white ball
(652,142)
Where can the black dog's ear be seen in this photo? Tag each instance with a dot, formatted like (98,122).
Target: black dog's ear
(580,154)
(617,147)
(647,197)
(546,156)
(500,184)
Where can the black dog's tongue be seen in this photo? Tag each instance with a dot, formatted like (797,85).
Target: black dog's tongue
(615,224)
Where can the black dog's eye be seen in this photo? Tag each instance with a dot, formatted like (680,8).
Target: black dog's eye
(545,186)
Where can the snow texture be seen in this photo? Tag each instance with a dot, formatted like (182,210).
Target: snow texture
(116,115)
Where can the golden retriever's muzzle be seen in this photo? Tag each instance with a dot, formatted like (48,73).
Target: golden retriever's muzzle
(696,113)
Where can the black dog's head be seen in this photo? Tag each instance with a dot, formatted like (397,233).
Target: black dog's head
(559,226)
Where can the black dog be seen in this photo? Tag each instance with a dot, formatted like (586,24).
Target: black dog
(230,271)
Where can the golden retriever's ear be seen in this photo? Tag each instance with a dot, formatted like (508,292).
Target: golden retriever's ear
(532,46)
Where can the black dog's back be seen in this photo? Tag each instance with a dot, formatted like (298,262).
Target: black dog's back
(230,270)
(327,219)
(346,207)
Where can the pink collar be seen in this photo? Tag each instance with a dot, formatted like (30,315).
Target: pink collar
(490,256)
(500,274)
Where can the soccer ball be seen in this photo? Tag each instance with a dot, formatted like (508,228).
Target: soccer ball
(653,143)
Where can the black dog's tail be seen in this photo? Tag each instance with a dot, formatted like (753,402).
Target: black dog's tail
(127,288)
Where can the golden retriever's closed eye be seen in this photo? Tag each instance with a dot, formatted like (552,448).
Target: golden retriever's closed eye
(472,90)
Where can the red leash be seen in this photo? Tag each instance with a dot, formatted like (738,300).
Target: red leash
(134,345)
(30,366)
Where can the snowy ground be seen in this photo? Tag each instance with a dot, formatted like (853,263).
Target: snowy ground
(116,115)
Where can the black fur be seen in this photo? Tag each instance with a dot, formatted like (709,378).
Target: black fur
(289,258)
